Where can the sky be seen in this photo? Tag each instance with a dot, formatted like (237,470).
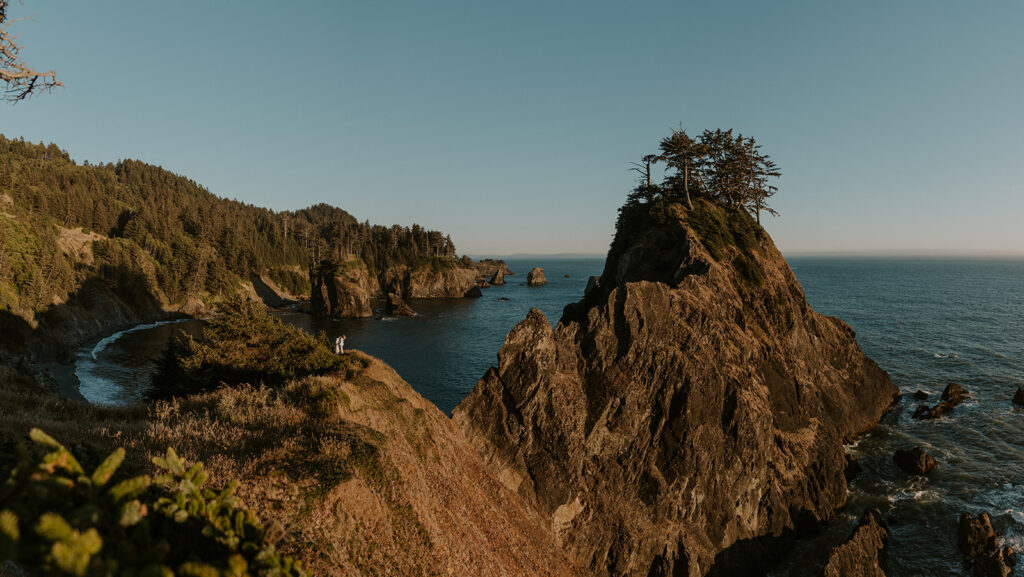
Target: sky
(898,125)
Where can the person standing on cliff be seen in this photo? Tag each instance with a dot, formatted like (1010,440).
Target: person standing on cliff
(339,345)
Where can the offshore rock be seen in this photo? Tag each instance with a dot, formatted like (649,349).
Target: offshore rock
(955,394)
(979,544)
(1018,397)
(689,413)
(937,412)
(861,555)
(488,267)
(498,278)
(536,277)
(395,306)
(976,536)
(452,280)
(338,297)
(914,461)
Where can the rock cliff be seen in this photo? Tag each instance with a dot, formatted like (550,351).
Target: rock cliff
(488,267)
(430,282)
(689,412)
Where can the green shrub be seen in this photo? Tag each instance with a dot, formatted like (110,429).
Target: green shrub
(243,343)
(59,520)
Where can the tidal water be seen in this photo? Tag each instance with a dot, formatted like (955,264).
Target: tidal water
(927,322)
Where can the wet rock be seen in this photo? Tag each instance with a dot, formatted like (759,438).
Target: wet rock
(395,306)
(999,564)
(853,468)
(504,299)
(690,406)
(979,544)
(566,275)
(914,461)
(474,292)
(1018,397)
(937,412)
(498,279)
(862,554)
(976,536)
(536,277)
(920,395)
(955,394)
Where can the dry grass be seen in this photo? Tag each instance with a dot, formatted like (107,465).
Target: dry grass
(364,475)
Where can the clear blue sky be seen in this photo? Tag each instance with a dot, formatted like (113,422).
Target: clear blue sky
(898,125)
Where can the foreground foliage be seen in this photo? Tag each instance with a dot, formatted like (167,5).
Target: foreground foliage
(59,519)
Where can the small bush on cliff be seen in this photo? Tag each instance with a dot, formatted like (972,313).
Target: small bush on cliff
(58,519)
(243,343)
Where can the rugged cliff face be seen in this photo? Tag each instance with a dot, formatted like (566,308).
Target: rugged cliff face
(686,414)
(430,282)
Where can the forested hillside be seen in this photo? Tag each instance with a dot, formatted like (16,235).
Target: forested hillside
(145,230)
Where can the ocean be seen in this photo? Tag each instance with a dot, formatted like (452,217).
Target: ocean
(927,321)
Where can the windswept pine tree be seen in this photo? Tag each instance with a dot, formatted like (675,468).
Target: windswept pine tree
(717,165)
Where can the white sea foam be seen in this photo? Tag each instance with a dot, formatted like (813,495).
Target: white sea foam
(106,342)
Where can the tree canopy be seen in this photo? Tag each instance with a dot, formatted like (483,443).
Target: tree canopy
(21,79)
(718,165)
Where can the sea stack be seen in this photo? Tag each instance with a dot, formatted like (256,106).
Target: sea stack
(498,279)
(536,277)
(690,405)
(396,307)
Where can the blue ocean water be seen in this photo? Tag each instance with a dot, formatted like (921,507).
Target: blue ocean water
(927,322)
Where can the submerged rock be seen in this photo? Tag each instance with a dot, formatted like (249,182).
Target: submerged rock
(862,554)
(914,461)
(937,412)
(536,277)
(692,404)
(395,306)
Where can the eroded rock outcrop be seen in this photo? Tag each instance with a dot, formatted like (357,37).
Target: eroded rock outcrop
(395,306)
(691,405)
(430,282)
(861,555)
(979,544)
(488,267)
(536,277)
(498,278)
(914,461)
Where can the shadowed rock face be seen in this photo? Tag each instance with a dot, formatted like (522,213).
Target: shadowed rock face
(862,554)
(688,412)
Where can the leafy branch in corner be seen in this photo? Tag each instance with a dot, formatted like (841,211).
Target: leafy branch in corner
(60,520)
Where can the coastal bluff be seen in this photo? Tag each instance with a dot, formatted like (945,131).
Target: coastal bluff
(688,415)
